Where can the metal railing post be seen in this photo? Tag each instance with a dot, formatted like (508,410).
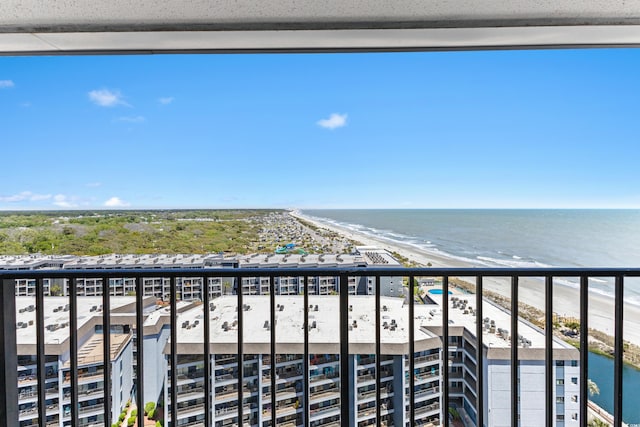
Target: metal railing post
(412,349)
(140,350)
(515,413)
(445,350)
(618,378)
(344,351)
(8,355)
(584,348)
(479,354)
(548,358)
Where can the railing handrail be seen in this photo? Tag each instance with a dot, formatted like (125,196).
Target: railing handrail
(343,276)
(322,271)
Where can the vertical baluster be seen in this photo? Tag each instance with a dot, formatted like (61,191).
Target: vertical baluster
(307,393)
(412,380)
(445,349)
(8,359)
(208,407)
(173,357)
(619,348)
(515,419)
(378,346)
(272,302)
(479,354)
(73,348)
(344,351)
(584,347)
(40,355)
(140,350)
(548,350)
(239,294)
(106,345)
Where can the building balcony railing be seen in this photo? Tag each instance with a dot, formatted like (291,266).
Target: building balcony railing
(340,358)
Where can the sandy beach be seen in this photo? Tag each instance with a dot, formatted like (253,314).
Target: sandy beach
(531,291)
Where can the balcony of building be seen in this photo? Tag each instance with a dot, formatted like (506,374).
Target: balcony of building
(320,377)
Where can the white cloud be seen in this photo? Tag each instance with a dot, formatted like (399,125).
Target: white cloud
(63,201)
(116,202)
(93,184)
(24,196)
(106,98)
(165,100)
(334,121)
(6,83)
(131,119)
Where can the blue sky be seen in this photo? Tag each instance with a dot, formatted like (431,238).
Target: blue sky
(504,129)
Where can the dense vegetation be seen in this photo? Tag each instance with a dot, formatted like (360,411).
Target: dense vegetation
(136,232)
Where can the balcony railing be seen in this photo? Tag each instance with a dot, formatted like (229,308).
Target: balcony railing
(9,412)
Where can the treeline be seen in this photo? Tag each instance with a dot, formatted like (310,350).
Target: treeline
(137,232)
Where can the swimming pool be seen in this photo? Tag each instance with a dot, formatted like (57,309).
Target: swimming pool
(438,292)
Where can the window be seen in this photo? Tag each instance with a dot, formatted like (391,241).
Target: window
(559,362)
(574,416)
(560,417)
(560,381)
(574,380)
(574,398)
(560,399)
(574,363)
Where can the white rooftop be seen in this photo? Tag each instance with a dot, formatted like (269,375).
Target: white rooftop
(289,321)
(298,260)
(501,317)
(56,312)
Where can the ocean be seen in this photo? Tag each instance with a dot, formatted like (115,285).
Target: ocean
(509,237)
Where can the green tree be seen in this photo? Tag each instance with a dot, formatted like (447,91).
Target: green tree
(55,290)
(593,388)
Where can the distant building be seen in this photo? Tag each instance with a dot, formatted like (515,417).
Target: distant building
(190,289)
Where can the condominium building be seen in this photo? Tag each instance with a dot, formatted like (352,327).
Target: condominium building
(91,381)
(191,288)
(362,257)
(325,381)
(496,364)
(187,288)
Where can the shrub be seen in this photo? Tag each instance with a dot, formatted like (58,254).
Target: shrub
(151,413)
(149,407)
(158,424)
(134,413)
(131,421)
(121,417)
(115,425)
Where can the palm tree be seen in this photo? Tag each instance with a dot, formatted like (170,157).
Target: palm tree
(593,388)
(597,422)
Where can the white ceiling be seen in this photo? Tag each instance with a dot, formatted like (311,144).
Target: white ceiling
(102,26)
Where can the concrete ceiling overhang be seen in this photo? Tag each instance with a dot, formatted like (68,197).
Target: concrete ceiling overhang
(154,26)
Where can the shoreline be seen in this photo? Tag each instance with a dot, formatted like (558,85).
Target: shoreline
(531,291)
